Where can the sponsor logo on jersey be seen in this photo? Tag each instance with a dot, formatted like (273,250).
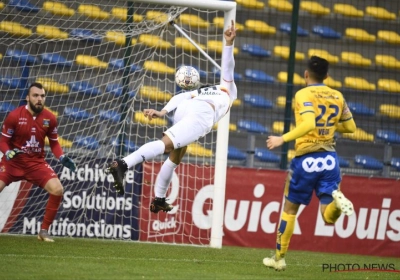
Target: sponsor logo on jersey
(307,103)
(10,131)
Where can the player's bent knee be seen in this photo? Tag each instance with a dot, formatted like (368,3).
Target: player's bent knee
(54,187)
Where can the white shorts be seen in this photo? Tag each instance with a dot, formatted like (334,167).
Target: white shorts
(193,119)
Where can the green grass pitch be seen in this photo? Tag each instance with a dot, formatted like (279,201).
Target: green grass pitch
(24,257)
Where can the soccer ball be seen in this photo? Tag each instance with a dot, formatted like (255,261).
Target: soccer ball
(187,77)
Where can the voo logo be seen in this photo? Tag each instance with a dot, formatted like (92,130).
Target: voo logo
(318,164)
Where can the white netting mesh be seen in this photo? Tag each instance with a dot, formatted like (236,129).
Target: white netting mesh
(100,71)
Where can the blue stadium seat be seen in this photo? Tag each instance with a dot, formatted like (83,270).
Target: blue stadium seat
(23,6)
(20,56)
(265,155)
(203,74)
(129,146)
(368,162)
(84,88)
(389,136)
(86,35)
(77,114)
(251,126)
(235,154)
(258,76)
(116,89)
(326,32)
(343,162)
(10,82)
(86,142)
(55,59)
(360,109)
(119,64)
(6,107)
(287,28)
(258,101)
(395,162)
(255,50)
(236,76)
(109,115)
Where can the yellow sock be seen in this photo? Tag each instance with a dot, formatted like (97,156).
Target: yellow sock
(332,213)
(285,232)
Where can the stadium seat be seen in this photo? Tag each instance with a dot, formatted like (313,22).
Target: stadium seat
(343,162)
(93,11)
(258,101)
(347,10)
(119,64)
(158,67)
(283,52)
(281,102)
(84,88)
(90,61)
(354,58)
(314,8)
(109,115)
(15,29)
(51,32)
(86,142)
(193,21)
(259,26)
(217,74)
(116,90)
(129,146)
(122,14)
(154,94)
(154,41)
(140,118)
(388,136)
(156,16)
(265,155)
(19,56)
(360,109)
(389,85)
(185,44)
(77,114)
(390,110)
(217,46)
(258,76)
(326,32)
(297,79)
(251,126)
(389,36)
(10,82)
(85,35)
(359,135)
(55,59)
(203,74)
(359,34)
(236,154)
(333,59)
(358,83)
(379,13)
(51,85)
(287,28)
(279,126)
(219,22)
(281,5)
(251,4)
(232,127)
(117,37)
(368,162)
(255,50)
(57,8)
(387,61)
(6,107)
(395,162)
(23,6)
(197,150)
(330,82)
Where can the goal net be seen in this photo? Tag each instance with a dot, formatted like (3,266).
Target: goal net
(101,63)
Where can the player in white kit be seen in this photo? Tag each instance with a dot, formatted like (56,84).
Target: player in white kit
(196,113)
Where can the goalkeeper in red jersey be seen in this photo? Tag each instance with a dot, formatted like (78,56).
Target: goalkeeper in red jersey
(22,144)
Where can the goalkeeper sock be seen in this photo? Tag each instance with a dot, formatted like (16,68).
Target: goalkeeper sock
(285,232)
(331,213)
(164,178)
(51,210)
(146,152)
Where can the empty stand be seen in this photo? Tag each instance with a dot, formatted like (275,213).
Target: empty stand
(287,28)
(235,154)
(326,32)
(347,10)
(53,86)
(297,79)
(388,136)
(251,126)
(281,5)
(55,59)
(58,8)
(259,26)
(368,162)
(251,4)
(6,107)
(158,67)
(217,46)
(358,83)
(15,28)
(258,76)
(86,35)
(83,87)
(379,13)
(257,100)
(93,11)
(283,52)
(186,45)
(265,155)
(387,61)
(10,82)
(154,41)
(193,20)
(86,142)
(90,61)
(195,149)
(359,135)
(330,82)
(360,109)
(359,34)
(22,57)
(51,32)
(390,110)
(315,8)
(110,115)
(77,114)
(391,37)
(389,85)
(139,117)
(354,58)
(23,6)
(121,13)
(333,59)
(255,50)
(154,93)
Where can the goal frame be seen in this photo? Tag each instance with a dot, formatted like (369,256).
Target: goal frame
(221,158)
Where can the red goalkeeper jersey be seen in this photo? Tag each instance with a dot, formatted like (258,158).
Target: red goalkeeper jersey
(28,133)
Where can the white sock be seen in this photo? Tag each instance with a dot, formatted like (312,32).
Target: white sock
(146,152)
(164,177)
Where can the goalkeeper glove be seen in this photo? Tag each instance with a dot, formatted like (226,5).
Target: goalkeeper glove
(67,162)
(10,154)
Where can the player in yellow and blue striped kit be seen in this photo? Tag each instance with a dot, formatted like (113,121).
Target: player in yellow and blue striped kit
(319,112)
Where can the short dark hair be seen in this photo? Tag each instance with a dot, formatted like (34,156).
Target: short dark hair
(318,68)
(35,84)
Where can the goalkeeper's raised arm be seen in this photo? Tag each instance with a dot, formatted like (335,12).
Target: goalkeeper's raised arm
(228,62)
